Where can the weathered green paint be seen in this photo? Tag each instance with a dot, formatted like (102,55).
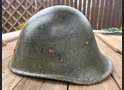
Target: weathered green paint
(58,43)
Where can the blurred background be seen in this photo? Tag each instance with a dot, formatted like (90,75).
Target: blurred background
(100,13)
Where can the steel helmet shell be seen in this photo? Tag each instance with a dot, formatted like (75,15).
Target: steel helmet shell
(58,43)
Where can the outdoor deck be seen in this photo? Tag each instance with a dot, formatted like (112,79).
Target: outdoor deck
(111,45)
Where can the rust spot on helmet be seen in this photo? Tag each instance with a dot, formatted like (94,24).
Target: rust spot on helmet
(50,51)
(86,43)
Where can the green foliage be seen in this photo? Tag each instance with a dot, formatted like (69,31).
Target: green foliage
(20,27)
(111,29)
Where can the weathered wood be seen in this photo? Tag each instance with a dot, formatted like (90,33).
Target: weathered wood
(7,54)
(116,59)
(9,46)
(5,63)
(75,4)
(108,13)
(40,84)
(71,3)
(84,7)
(93,13)
(29,84)
(57,2)
(118,10)
(80,5)
(53,85)
(101,13)
(63,2)
(95,24)
(107,84)
(88,10)
(67,2)
(15,12)
(9,80)
(113,43)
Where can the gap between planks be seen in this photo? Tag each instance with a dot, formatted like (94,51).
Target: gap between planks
(115,42)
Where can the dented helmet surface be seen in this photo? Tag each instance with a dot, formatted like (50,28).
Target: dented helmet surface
(58,43)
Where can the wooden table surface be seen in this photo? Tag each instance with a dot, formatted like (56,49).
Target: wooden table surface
(111,45)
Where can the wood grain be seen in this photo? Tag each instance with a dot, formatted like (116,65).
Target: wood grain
(40,84)
(75,4)
(96,14)
(7,54)
(29,84)
(8,50)
(9,46)
(107,84)
(101,14)
(88,10)
(84,7)
(5,63)
(93,13)
(9,80)
(112,42)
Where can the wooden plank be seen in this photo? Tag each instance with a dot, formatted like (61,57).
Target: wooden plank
(63,2)
(109,13)
(96,14)
(40,84)
(67,2)
(29,84)
(75,4)
(120,19)
(7,54)
(118,4)
(113,43)
(105,14)
(101,11)
(7,51)
(117,37)
(57,2)
(84,7)
(9,80)
(107,84)
(93,13)
(5,63)
(54,85)
(80,5)
(8,47)
(71,3)
(116,59)
(88,10)
(115,13)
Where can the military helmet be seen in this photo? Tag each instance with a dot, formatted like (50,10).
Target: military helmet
(58,43)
